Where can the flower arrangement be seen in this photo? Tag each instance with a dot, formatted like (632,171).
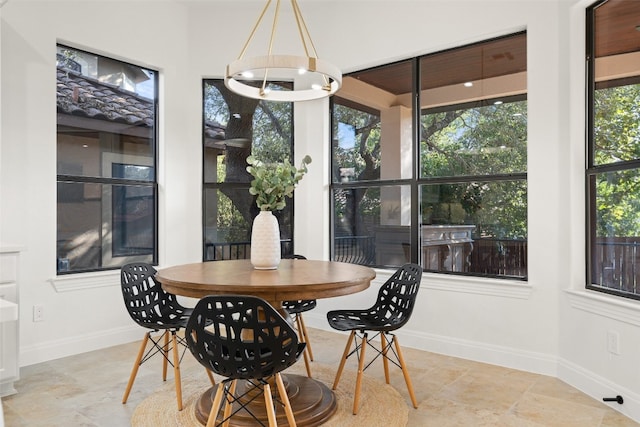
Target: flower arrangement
(273,182)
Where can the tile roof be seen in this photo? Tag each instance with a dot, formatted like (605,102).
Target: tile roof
(214,130)
(83,96)
(88,97)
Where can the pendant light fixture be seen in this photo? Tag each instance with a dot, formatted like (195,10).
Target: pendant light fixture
(312,78)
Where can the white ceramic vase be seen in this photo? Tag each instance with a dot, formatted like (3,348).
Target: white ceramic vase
(265,241)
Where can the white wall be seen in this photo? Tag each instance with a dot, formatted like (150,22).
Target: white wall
(548,325)
(88,312)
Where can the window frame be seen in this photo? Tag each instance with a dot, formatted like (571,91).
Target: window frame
(593,170)
(287,245)
(415,181)
(122,182)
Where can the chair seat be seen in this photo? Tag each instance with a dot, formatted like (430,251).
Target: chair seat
(349,320)
(165,322)
(299,306)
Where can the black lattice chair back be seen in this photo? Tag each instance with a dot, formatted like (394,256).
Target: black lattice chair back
(147,303)
(242,338)
(162,315)
(396,299)
(392,310)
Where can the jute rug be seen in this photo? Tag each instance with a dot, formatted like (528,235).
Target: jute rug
(380,404)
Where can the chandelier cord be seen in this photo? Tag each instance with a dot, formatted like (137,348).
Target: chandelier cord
(255,28)
(271,39)
(302,29)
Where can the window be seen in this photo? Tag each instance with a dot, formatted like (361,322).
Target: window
(106,162)
(613,157)
(429,162)
(235,127)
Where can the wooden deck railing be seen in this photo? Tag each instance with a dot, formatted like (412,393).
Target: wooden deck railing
(616,266)
(355,249)
(500,257)
(238,250)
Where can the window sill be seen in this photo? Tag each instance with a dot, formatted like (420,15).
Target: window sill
(84,281)
(471,285)
(478,285)
(617,308)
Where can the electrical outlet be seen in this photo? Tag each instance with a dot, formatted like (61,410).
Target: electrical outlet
(613,342)
(38,313)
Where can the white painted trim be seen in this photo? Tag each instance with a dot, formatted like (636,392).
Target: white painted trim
(616,308)
(84,281)
(467,284)
(10,249)
(598,387)
(476,285)
(514,358)
(50,350)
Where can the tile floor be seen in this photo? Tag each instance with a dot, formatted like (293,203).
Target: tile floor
(86,390)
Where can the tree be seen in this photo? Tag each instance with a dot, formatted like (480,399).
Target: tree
(357,158)
(465,145)
(616,140)
(251,127)
(468,142)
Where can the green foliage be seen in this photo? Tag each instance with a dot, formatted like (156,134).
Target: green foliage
(618,204)
(272,131)
(617,139)
(231,225)
(616,127)
(484,140)
(364,155)
(476,142)
(273,182)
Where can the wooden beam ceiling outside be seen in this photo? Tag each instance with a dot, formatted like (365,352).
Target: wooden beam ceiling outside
(617,22)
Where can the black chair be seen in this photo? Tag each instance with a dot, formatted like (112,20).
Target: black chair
(153,308)
(243,338)
(393,308)
(295,308)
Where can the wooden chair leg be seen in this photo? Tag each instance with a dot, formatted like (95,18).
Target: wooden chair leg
(227,405)
(306,336)
(344,359)
(385,361)
(285,400)
(356,396)
(307,364)
(165,354)
(215,406)
(176,370)
(303,338)
(210,375)
(268,401)
(405,372)
(136,365)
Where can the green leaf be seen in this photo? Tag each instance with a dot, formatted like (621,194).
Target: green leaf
(275,181)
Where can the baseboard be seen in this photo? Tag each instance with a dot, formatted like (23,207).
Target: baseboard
(599,387)
(586,381)
(51,350)
(538,363)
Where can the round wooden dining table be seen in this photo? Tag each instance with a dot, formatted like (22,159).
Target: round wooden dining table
(313,403)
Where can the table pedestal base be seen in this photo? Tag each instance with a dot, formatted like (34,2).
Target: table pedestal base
(313,403)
